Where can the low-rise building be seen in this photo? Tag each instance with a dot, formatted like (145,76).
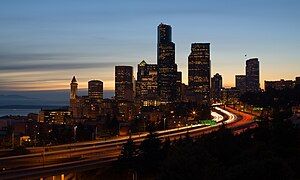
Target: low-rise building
(279,85)
(54,116)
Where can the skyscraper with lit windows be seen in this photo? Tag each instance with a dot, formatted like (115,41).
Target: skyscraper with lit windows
(95,89)
(146,84)
(124,83)
(199,72)
(167,68)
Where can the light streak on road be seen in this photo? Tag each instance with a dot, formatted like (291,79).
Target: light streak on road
(217,117)
(231,117)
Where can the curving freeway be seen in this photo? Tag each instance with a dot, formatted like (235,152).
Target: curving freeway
(85,154)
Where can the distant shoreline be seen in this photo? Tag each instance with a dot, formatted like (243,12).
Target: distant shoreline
(31,107)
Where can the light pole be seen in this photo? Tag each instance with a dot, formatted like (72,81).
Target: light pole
(74,132)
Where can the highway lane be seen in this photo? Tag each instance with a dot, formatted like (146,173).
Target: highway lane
(93,147)
(101,150)
(216,117)
(231,117)
(80,146)
(48,155)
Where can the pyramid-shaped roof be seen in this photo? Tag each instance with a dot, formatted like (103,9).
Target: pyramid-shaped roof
(74,80)
(143,63)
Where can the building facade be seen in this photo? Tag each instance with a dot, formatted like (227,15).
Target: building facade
(279,85)
(216,86)
(178,86)
(95,89)
(167,68)
(199,72)
(240,83)
(55,116)
(252,75)
(146,84)
(74,97)
(124,83)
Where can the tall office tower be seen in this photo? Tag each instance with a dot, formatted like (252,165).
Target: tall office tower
(252,75)
(240,83)
(95,89)
(199,72)
(124,83)
(216,86)
(73,96)
(146,84)
(167,69)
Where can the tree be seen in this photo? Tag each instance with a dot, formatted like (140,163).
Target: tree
(150,149)
(128,152)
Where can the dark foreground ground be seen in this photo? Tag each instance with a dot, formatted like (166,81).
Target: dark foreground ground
(271,151)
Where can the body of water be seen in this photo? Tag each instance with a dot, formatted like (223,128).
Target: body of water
(21,112)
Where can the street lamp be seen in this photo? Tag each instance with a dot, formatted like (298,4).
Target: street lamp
(74,132)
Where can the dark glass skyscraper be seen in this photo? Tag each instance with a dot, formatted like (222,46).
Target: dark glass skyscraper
(199,72)
(252,75)
(216,86)
(124,83)
(167,69)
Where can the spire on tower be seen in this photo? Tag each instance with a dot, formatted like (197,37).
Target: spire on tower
(74,80)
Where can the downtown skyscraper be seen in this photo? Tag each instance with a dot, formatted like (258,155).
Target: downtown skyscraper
(95,89)
(252,75)
(216,86)
(124,83)
(146,84)
(199,72)
(167,68)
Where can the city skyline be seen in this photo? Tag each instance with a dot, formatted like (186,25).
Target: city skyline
(42,48)
(133,89)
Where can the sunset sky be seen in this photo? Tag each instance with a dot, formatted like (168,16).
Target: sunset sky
(44,43)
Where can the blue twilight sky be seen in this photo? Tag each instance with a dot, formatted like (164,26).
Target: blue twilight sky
(43,43)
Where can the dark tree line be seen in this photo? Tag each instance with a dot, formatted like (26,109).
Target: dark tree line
(273,98)
(270,151)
